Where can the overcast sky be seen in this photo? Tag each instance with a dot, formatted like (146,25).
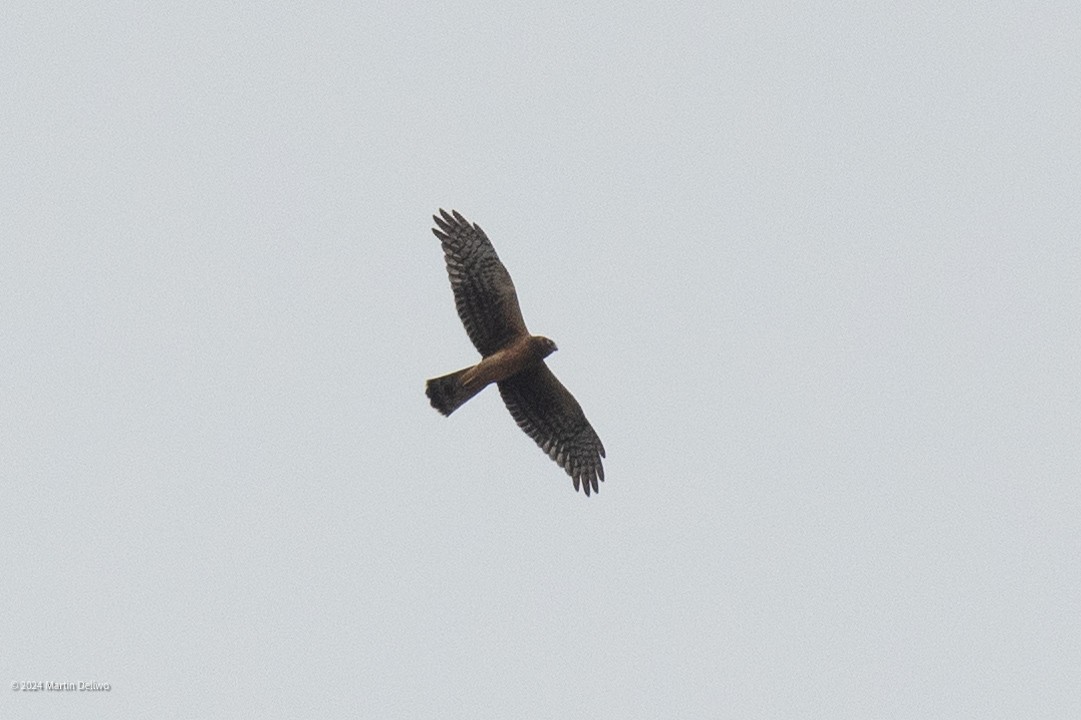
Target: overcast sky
(815,276)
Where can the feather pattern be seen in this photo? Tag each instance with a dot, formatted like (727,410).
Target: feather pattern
(549,414)
(484,293)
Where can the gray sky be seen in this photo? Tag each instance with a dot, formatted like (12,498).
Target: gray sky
(815,276)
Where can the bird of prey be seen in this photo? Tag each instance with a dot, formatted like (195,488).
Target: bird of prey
(512,358)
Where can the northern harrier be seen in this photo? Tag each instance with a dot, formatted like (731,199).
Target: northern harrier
(512,358)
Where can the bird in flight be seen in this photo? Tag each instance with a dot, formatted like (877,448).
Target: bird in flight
(512,358)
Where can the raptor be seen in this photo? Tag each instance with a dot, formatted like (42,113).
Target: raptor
(511,357)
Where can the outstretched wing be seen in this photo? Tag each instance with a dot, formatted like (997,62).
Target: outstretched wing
(553,418)
(483,291)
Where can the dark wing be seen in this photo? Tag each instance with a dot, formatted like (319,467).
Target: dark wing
(550,415)
(483,291)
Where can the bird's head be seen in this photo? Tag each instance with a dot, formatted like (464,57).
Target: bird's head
(545,346)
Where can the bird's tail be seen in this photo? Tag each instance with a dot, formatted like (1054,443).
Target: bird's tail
(447,393)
